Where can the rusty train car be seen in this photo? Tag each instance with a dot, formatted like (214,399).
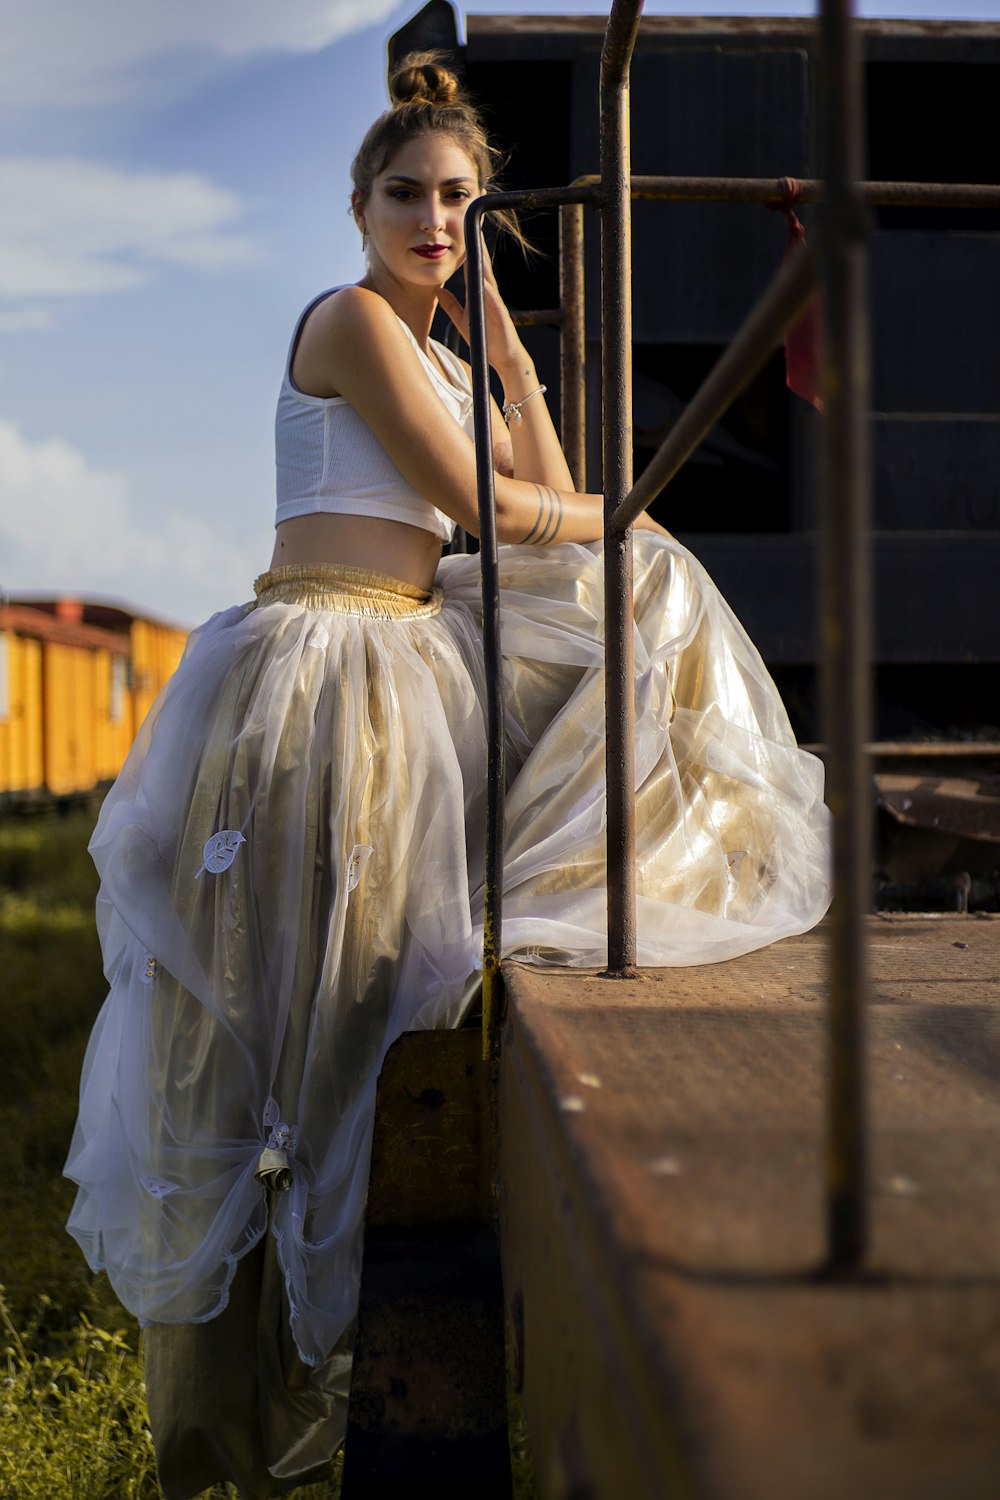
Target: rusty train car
(737,97)
(77,678)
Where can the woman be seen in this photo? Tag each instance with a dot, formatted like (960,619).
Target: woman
(291,858)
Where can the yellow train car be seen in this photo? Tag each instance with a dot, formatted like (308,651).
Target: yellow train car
(155,651)
(77,678)
(21,753)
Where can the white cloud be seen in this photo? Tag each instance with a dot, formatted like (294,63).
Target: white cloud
(72,226)
(25,319)
(85,52)
(67,526)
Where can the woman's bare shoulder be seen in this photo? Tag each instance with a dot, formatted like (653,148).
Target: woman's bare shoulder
(352,329)
(355,310)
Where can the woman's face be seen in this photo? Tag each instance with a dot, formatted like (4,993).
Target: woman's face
(414,216)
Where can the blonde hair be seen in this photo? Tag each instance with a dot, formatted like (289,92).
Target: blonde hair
(428,99)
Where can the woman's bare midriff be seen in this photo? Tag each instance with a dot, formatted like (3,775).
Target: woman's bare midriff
(405,552)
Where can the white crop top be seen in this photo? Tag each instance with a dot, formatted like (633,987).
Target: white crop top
(328,459)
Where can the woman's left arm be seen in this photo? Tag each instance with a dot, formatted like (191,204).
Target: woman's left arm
(527,448)
(536,450)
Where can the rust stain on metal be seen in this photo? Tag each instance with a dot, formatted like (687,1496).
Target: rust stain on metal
(492,997)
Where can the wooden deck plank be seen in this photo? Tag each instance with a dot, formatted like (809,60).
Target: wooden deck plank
(662,1223)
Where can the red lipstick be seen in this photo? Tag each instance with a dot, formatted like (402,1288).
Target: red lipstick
(430,252)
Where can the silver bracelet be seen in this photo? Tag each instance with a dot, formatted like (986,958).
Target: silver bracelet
(513,408)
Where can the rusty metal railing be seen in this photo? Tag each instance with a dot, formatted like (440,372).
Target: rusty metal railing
(495,765)
(844,486)
(846,620)
(616,379)
(767,191)
(568,318)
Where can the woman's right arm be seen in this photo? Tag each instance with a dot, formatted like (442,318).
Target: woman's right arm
(353,344)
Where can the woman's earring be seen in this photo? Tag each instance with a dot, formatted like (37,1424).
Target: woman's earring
(364,242)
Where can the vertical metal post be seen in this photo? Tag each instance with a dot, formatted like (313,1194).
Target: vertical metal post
(495,771)
(616,375)
(846,614)
(573,379)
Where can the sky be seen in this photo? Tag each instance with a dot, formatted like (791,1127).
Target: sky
(174,182)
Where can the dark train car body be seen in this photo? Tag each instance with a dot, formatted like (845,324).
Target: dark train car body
(737,97)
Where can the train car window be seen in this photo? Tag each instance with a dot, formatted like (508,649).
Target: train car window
(119,685)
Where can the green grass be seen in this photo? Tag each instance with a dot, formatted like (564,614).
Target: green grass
(73,1420)
(52,988)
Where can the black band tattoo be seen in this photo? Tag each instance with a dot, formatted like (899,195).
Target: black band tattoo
(532,535)
(549,518)
(555,516)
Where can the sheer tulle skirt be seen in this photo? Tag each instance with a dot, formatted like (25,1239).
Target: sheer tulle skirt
(291,865)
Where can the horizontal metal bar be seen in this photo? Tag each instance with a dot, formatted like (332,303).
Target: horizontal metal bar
(768,190)
(920,749)
(584,190)
(536,317)
(748,352)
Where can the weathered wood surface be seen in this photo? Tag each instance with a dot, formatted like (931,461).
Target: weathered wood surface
(661,1161)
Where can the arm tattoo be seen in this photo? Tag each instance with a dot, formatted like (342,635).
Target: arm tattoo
(556,516)
(549,518)
(532,535)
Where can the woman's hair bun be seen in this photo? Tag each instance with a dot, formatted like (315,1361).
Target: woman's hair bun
(424,78)
(427,98)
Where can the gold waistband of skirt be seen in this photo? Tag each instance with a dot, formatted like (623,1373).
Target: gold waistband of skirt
(346,591)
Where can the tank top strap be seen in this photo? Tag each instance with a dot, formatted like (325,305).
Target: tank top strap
(454,385)
(456,369)
(299,327)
